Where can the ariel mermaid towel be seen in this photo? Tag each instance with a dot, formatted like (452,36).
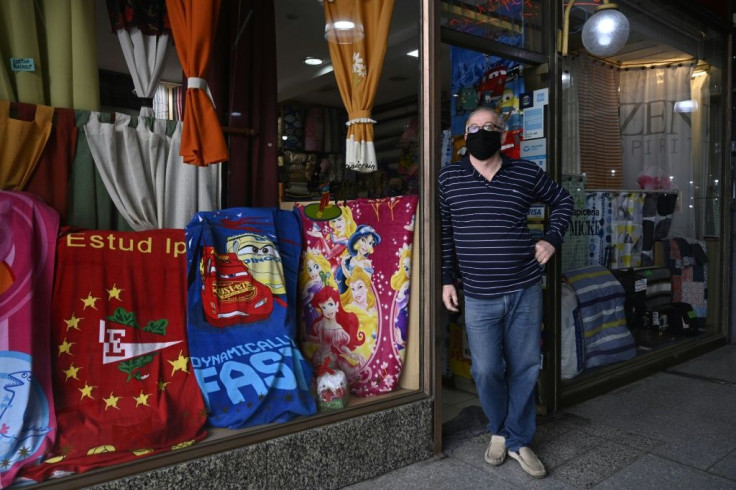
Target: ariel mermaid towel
(354,283)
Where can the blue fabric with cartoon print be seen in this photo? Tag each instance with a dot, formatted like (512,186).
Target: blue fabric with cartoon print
(241,273)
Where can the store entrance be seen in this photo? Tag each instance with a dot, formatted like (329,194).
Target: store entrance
(472,79)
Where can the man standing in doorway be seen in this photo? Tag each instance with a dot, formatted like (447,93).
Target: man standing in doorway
(484,204)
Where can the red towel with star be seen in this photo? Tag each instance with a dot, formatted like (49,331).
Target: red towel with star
(124,387)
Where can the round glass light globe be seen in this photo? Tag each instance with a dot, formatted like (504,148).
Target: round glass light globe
(606,32)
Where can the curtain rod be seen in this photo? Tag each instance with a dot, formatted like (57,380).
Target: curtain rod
(660,64)
(635,191)
(633,66)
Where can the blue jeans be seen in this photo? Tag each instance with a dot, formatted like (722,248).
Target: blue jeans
(504,337)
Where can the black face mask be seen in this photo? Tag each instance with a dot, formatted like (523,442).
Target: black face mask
(483,144)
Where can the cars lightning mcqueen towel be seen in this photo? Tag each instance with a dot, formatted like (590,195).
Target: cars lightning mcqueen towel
(28,229)
(242,266)
(354,283)
(123,382)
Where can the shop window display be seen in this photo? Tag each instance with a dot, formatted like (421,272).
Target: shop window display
(628,215)
(194,329)
(219,279)
(639,156)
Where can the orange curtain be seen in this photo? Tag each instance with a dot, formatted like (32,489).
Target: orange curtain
(357,59)
(193,24)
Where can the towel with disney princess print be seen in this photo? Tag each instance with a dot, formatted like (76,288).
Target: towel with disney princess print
(354,283)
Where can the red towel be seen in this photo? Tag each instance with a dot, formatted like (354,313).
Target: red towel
(123,384)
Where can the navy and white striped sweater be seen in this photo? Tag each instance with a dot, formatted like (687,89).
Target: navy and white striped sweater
(484,225)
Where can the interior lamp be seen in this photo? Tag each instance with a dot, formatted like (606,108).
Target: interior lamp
(604,33)
(343,25)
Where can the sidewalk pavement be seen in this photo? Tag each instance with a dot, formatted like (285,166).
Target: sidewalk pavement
(673,430)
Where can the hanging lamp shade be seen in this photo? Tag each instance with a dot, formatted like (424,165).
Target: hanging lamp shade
(346,26)
(606,32)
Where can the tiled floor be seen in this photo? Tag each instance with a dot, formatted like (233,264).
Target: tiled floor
(454,400)
(673,430)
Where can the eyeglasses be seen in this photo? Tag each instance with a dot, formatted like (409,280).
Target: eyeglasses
(473,128)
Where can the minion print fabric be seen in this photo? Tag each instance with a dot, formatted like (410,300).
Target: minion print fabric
(242,268)
(354,283)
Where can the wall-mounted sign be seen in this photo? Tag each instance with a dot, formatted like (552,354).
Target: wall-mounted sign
(535,151)
(533,123)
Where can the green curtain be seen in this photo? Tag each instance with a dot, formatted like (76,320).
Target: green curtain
(60,37)
(90,205)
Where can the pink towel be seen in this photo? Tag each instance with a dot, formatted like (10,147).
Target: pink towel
(354,282)
(28,229)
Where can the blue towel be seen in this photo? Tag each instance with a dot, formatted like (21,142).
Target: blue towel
(241,274)
(601,303)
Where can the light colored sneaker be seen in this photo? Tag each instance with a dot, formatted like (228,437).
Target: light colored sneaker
(529,462)
(496,452)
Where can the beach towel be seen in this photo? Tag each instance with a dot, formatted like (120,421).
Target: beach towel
(242,265)
(28,229)
(359,265)
(123,383)
(601,303)
(599,211)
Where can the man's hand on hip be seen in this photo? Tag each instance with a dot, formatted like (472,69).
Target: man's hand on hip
(543,251)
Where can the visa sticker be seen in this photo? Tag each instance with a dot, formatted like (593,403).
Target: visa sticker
(536,212)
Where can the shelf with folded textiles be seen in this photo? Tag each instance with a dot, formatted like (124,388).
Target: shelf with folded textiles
(304,175)
(311,150)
